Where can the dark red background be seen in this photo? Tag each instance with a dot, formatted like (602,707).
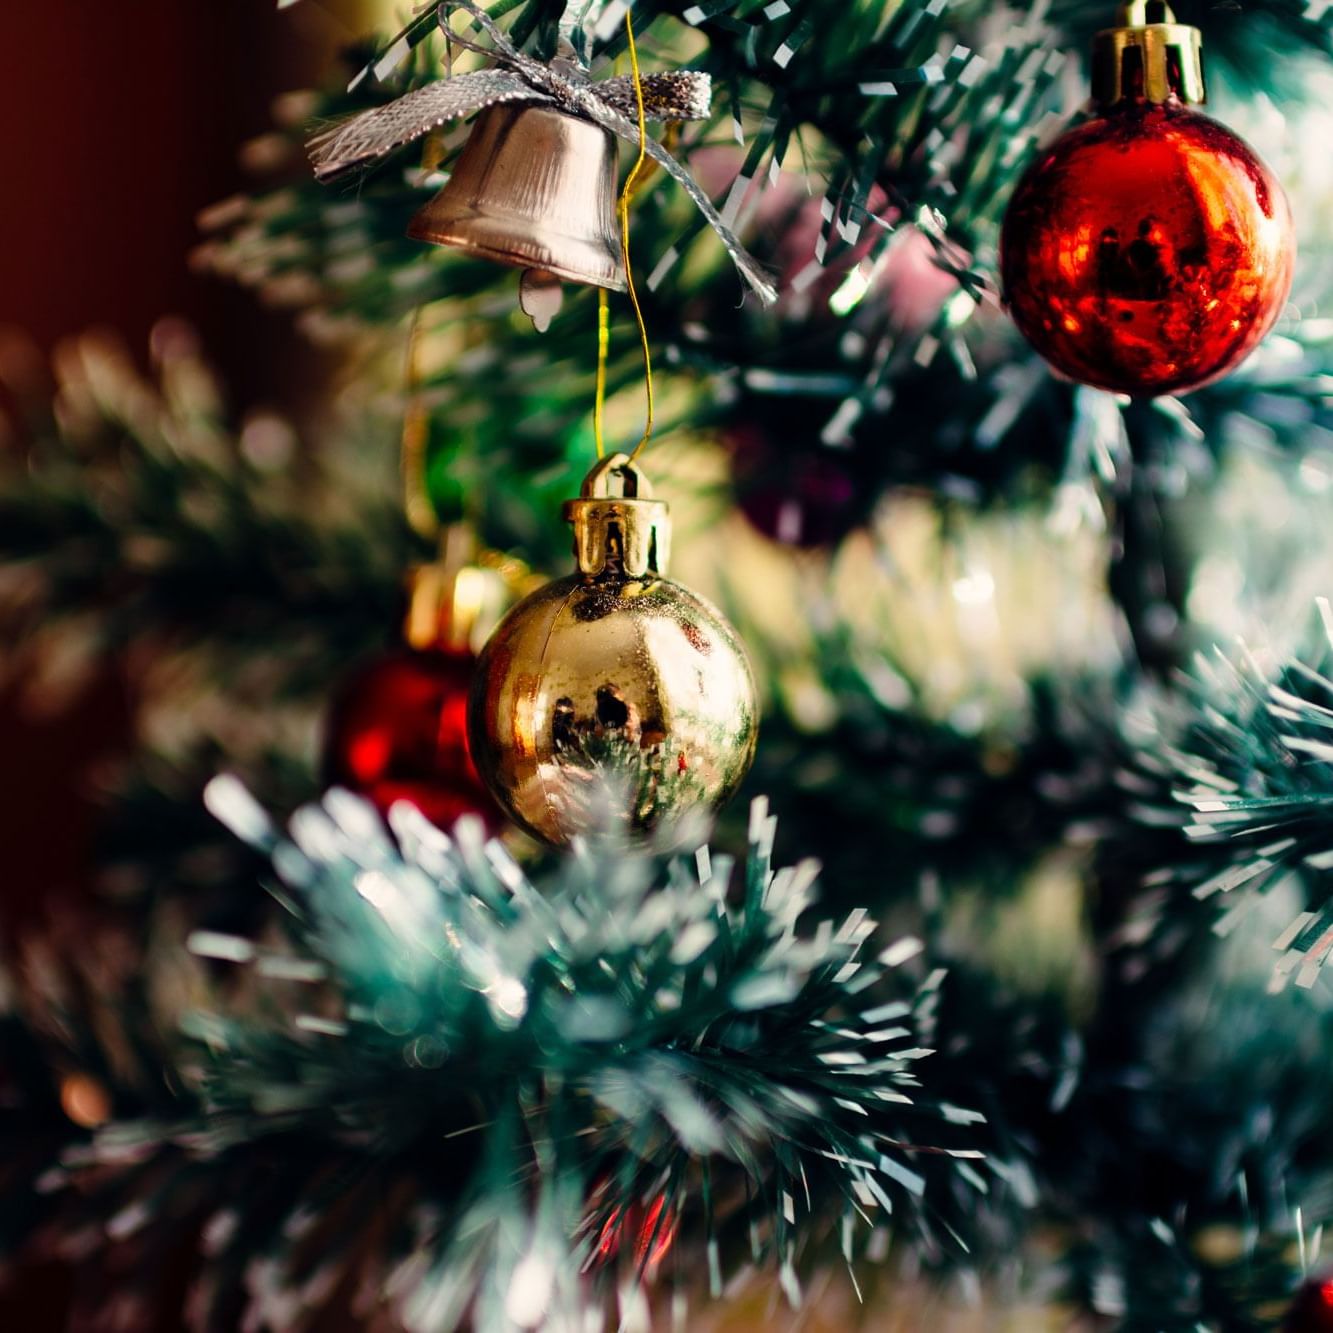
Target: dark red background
(121,120)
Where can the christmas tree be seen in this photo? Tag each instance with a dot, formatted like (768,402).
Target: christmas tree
(884,878)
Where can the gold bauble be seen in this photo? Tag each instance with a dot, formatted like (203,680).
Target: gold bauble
(614,690)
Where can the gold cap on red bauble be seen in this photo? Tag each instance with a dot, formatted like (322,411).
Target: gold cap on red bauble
(534,187)
(614,692)
(446,600)
(1148,55)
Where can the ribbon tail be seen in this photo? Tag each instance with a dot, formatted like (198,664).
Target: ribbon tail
(746,264)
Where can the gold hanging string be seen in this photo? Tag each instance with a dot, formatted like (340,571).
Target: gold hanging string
(626,195)
(632,182)
(603,349)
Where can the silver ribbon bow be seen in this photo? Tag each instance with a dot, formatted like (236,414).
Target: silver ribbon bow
(672,95)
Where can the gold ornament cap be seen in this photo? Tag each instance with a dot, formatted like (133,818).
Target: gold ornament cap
(446,598)
(619,529)
(1148,56)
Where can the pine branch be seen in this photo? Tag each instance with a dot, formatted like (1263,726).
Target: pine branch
(1155,1279)
(138,504)
(538,1084)
(976,809)
(911,129)
(1199,1177)
(1245,775)
(862,119)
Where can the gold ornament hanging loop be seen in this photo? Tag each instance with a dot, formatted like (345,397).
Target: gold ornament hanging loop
(618,526)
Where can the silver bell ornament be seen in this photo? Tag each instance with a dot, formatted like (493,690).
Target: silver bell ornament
(535,188)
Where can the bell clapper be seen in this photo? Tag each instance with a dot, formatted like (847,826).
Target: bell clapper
(540,295)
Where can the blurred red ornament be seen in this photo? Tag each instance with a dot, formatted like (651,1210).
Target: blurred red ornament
(1312,1310)
(651,1228)
(799,499)
(1149,250)
(397,731)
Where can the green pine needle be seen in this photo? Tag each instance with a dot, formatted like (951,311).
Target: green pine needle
(602,1075)
(1249,756)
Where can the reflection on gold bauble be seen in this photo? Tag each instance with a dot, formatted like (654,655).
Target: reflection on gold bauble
(613,690)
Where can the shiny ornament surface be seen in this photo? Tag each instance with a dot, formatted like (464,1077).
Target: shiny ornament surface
(1147,251)
(614,688)
(398,731)
(534,187)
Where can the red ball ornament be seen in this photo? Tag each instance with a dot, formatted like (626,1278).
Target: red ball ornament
(802,499)
(1148,250)
(1312,1310)
(397,731)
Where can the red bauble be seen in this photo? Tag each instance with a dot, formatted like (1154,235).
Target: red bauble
(397,731)
(796,498)
(1312,1310)
(1147,251)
